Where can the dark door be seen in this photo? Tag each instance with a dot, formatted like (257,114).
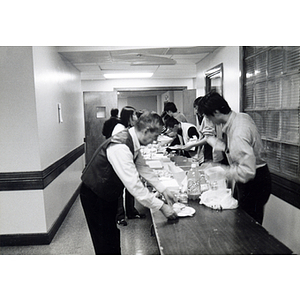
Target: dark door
(188,99)
(97,106)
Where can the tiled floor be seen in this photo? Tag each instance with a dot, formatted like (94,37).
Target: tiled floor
(136,237)
(73,237)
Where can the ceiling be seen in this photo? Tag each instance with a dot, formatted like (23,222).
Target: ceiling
(164,62)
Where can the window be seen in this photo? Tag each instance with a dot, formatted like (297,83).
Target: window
(214,79)
(271,96)
(100,112)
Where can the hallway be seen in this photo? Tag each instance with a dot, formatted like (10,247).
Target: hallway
(73,237)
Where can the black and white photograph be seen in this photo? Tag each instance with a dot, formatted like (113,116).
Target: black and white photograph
(174,163)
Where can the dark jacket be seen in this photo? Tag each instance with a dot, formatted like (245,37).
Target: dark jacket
(99,175)
(109,126)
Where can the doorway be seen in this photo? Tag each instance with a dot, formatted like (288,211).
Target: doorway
(97,107)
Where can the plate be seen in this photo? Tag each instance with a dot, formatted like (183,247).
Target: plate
(183,210)
(187,211)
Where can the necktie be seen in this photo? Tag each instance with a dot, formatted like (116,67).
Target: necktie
(224,139)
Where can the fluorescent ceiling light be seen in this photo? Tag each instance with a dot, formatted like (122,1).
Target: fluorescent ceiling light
(127,75)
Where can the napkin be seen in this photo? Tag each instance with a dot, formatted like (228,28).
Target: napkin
(219,199)
(154,164)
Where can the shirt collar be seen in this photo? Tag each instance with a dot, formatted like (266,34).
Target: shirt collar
(136,142)
(229,121)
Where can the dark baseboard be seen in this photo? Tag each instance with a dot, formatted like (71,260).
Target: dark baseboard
(38,180)
(39,238)
(286,190)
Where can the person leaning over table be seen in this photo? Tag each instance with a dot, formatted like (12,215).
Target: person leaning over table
(204,149)
(128,118)
(118,162)
(206,128)
(244,151)
(185,132)
(171,110)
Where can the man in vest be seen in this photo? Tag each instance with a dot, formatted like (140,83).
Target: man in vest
(118,162)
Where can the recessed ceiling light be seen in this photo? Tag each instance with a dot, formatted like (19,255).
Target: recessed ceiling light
(127,75)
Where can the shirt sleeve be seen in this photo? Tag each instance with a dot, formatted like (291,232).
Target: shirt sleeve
(147,173)
(193,131)
(121,159)
(242,159)
(118,128)
(208,128)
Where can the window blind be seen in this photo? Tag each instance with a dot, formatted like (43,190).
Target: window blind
(271,96)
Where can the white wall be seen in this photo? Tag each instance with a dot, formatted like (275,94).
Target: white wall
(19,141)
(229,56)
(57,81)
(146,102)
(282,220)
(22,212)
(59,192)
(33,81)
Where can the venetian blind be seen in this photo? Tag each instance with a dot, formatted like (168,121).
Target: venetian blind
(271,96)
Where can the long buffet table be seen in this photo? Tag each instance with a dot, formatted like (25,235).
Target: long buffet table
(211,231)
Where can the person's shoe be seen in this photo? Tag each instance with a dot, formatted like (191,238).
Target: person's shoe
(122,222)
(137,216)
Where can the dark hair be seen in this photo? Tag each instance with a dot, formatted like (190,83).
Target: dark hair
(171,122)
(170,106)
(150,120)
(196,102)
(212,102)
(114,112)
(126,114)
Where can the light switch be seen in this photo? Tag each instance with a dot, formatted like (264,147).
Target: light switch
(60,119)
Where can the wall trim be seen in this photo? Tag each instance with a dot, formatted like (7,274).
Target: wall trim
(39,238)
(286,190)
(38,180)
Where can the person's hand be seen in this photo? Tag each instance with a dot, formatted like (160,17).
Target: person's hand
(168,212)
(215,143)
(171,134)
(188,146)
(177,147)
(208,132)
(211,140)
(169,196)
(223,170)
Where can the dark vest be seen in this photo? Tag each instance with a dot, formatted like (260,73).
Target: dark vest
(99,175)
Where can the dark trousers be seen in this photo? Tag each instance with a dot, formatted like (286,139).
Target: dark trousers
(207,152)
(129,206)
(100,216)
(253,195)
